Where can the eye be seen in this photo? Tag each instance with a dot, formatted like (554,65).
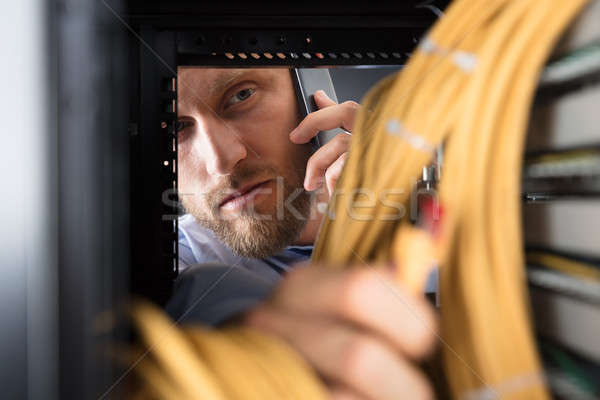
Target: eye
(182,124)
(240,96)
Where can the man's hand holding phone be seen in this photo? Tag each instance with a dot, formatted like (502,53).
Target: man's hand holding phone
(325,165)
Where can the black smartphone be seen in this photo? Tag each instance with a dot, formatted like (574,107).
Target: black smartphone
(306,82)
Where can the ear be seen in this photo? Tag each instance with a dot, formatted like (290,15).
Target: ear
(322,100)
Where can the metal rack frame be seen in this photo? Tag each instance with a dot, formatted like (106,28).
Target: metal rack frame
(164,37)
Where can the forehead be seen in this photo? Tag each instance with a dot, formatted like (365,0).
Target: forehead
(213,81)
(206,79)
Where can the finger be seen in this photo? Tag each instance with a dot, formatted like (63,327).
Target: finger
(334,171)
(323,158)
(322,100)
(368,297)
(345,355)
(334,116)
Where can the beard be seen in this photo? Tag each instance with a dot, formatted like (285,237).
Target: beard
(254,233)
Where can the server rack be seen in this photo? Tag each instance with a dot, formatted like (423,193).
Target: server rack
(113,65)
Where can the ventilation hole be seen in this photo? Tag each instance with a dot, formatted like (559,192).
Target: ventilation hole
(174,147)
(332,55)
(174,166)
(166,163)
(306,55)
(308,40)
(397,55)
(384,55)
(230,56)
(319,55)
(345,55)
(371,55)
(213,54)
(281,55)
(255,55)
(294,55)
(163,125)
(357,55)
(174,184)
(242,55)
(268,55)
(174,226)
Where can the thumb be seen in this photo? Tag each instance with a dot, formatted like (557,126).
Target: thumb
(322,100)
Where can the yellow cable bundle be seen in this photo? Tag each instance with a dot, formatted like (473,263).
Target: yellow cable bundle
(470,84)
(233,363)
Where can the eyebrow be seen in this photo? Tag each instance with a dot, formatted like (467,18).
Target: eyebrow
(223,81)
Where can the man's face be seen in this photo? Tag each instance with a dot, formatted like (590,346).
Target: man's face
(237,165)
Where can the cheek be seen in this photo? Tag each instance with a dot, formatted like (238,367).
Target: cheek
(271,122)
(189,172)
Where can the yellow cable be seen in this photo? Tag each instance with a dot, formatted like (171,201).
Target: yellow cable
(469,86)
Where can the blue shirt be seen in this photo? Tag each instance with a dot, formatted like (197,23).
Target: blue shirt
(215,283)
(199,245)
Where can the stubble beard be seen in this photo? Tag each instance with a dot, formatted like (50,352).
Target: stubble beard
(254,234)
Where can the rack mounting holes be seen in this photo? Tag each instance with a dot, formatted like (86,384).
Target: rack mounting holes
(230,56)
(242,56)
(268,55)
(281,55)
(255,55)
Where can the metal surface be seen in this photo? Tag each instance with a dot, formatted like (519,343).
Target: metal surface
(28,258)
(93,204)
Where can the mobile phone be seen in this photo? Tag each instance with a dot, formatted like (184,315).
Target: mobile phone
(306,82)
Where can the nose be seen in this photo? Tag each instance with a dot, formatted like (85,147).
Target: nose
(219,145)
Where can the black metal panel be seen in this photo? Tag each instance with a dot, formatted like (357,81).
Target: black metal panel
(314,10)
(93,212)
(304,47)
(154,165)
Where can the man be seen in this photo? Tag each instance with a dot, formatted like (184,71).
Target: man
(245,171)
(246,166)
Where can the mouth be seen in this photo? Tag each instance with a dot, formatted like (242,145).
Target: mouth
(241,197)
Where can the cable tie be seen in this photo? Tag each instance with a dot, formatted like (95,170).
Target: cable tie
(395,128)
(501,390)
(466,61)
(428,46)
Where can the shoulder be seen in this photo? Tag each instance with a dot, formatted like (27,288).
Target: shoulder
(198,244)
